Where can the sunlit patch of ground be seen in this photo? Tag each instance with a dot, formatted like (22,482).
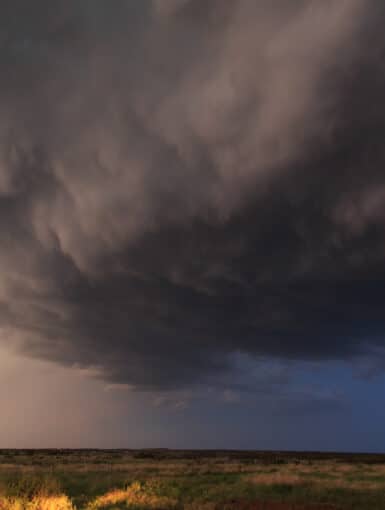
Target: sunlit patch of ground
(137,495)
(60,502)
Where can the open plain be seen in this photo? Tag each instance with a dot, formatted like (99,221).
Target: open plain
(189,480)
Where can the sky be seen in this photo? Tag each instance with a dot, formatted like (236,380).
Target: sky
(192,224)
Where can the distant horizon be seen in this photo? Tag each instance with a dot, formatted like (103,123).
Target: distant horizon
(219,450)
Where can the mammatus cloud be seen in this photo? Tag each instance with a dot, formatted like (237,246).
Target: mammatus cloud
(183,181)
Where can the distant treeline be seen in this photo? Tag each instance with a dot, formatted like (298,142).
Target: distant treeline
(244,456)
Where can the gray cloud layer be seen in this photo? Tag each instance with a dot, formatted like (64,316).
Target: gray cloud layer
(184,180)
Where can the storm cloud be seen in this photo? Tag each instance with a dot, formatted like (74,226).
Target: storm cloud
(185,181)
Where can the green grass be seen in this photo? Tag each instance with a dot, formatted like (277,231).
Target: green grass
(190,482)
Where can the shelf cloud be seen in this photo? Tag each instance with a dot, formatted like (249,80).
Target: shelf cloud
(184,181)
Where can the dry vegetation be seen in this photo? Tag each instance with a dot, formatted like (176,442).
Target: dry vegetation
(136,495)
(325,474)
(59,502)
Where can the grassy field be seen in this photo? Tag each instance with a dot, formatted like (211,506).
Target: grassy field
(191,480)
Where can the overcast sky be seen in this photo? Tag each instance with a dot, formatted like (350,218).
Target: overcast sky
(192,223)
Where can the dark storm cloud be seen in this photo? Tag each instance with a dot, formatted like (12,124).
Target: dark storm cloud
(181,181)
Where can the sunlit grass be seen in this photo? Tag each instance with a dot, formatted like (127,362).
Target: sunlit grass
(60,502)
(137,495)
